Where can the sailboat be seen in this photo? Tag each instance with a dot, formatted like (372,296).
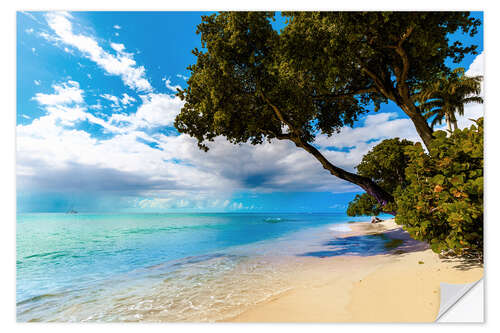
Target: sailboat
(71,211)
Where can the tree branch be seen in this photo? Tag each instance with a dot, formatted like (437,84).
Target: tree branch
(382,197)
(279,115)
(378,82)
(404,57)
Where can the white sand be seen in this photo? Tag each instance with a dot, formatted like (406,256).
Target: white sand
(399,287)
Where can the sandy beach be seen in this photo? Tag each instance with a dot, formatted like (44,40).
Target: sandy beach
(400,286)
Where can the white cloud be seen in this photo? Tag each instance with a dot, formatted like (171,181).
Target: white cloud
(477,66)
(37,82)
(66,106)
(375,127)
(156,110)
(113,99)
(29,31)
(65,93)
(121,64)
(117,27)
(118,47)
(169,85)
(126,99)
(97,106)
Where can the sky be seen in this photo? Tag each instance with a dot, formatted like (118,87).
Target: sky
(95,108)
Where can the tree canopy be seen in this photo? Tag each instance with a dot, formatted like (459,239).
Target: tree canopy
(320,73)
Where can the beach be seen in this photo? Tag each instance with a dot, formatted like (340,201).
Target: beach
(400,286)
(207,268)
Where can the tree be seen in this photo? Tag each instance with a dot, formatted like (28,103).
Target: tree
(448,95)
(443,201)
(252,83)
(385,164)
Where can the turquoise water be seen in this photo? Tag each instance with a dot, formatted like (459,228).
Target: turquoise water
(77,267)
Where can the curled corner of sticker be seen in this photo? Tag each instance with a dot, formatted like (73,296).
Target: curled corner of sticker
(451,294)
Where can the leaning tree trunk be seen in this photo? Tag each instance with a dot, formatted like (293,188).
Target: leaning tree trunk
(374,190)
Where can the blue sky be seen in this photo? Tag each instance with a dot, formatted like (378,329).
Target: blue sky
(95,107)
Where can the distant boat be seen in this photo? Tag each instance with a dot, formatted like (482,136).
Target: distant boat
(71,211)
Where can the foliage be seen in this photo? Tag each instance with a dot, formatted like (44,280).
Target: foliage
(385,164)
(447,95)
(363,204)
(443,202)
(320,72)
(251,83)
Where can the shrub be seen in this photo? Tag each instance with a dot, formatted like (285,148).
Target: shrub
(385,164)
(443,201)
(363,204)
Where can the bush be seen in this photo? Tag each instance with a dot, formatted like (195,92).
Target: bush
(363,204)
(443,201)
(385,164)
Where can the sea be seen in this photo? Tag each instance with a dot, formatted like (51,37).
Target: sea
(165,267)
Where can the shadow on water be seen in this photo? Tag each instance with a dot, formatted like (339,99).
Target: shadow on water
(390,242)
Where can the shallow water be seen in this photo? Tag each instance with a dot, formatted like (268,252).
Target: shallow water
(163,267)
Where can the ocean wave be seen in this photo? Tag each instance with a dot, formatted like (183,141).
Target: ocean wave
(341,228)
(49,255)
(199,288)
(37,298)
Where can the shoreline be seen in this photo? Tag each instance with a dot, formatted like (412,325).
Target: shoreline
(401,285)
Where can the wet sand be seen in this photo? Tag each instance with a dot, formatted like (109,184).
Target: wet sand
(399,286)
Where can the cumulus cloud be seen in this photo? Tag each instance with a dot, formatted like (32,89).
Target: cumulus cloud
(477,66)
(375,127)
(166,169)
(65,107)
(118,47)
(156,110)
(65,93)
(121,64)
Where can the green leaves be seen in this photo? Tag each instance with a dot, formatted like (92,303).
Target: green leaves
(385,164)
(363,204)
(443,202)
(322,71)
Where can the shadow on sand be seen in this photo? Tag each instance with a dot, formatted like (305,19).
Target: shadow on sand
(463,263)
(393,242)
(389,242)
